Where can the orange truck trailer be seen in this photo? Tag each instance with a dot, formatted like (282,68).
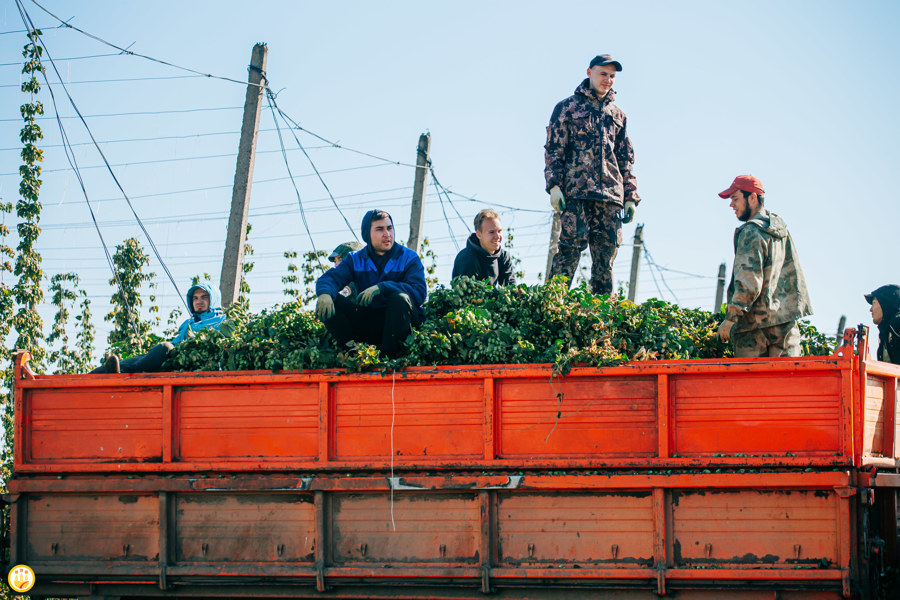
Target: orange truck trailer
(702,479)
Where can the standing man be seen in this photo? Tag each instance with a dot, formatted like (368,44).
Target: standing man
(588,171)
(767,293)
(483,257)
(392,280)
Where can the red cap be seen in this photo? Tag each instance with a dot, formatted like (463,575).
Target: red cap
(745,183)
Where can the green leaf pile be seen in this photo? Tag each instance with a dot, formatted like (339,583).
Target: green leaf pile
(472,323)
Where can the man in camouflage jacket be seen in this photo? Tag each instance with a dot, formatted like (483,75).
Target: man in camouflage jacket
(767,293)
(588,171)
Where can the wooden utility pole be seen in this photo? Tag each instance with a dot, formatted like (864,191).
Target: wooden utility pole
(555,226)
(417,214)
(635,262)
(720,289)
(233,260)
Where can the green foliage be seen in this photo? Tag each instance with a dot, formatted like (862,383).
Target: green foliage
(314,264)
(426,253)
(516,261)
(291,281)
(475,323)
(27,290)
(246,266)
(283,338)
(85,336)
(129,335)
(64,358)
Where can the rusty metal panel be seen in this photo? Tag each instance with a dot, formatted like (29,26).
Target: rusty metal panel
(118,424)
(82,527)
(218,527)
(578,528)
(417,419)
(222,422)
(409,527)
(596,416)
(873,427)
(758,414)
(756,528)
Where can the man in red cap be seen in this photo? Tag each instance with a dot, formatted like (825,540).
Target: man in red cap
(767,293)
(588,170)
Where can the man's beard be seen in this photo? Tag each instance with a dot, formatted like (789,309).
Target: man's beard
(745,216)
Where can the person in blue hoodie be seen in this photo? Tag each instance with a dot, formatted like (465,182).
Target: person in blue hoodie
(206,311)
(392,280)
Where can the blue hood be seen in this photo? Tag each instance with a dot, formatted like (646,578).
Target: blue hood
(215,298)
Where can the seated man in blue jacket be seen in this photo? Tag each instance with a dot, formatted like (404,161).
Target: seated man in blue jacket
(392,280)
(206,311)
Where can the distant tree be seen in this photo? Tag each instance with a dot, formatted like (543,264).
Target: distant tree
(314,264)
(85,337)
(425,252)
(244,296)
(517,262)
(63,359)
(129,333)
(291,281)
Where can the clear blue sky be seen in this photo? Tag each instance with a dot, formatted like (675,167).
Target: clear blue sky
(801,94)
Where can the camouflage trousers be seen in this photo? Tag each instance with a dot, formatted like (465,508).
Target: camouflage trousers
(589,223)
(778,340)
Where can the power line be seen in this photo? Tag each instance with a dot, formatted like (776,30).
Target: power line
(27,20)
(135,113)
(129,79)
(129,52)
(19,64)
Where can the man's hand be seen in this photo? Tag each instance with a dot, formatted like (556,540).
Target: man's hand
(629,211)
(556,198)
(365,297)
(725,330)
(324,307)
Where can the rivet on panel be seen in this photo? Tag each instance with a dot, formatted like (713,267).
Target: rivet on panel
(615,550)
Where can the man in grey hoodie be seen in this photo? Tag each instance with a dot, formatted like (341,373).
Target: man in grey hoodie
(483,257)
(767,293)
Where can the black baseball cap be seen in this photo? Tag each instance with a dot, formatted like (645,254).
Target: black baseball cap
(605,59)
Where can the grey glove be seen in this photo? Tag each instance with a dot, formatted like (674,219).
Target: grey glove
(324,307)
(366,296)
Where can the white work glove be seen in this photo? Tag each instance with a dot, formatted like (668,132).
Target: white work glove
(324,307)
(556,198)
(629,211)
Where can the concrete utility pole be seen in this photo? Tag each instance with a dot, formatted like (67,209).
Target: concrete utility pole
(720,289)
(635,262)
(840,332)
(417,214)
(555,226)
(233,260)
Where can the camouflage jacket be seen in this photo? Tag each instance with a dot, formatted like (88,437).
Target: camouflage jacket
(588,153)
(767,285)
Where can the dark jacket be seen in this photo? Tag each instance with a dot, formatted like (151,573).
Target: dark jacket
(588,153)
(401,272)
(889,328)
(474,261)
